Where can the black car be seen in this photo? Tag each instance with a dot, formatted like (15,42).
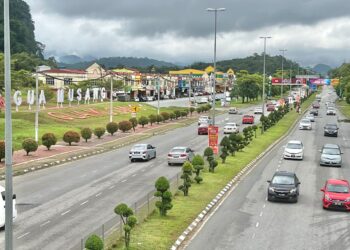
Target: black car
(283,186)
(314,112)
(331,129)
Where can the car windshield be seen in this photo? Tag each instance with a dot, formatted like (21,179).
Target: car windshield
(294,146)
(283,180)
(334,188)
(331,127)
(139,147)
(305,121)
(178,150)
(231,124)
(331,151)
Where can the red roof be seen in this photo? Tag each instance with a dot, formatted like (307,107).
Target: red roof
(65,71)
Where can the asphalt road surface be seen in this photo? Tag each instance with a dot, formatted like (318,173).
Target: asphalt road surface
(179,102)
(60,205)
(246,220)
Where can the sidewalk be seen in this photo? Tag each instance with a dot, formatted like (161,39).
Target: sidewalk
(62,152)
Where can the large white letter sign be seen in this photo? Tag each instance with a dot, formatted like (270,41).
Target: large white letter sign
(79,95)
(17,98)
(95,94)
(30,98)
(70,96)
(103,94)
(87,96)
(60,97)
(42,99)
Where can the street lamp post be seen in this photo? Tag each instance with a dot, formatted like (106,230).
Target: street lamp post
(37,109)
(189,88)
(215,10)
(264,73)
(270,83)
(111,101)
(158,88)
(282,50)
(8,130)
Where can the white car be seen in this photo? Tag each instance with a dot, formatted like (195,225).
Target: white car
(203,119)
(233,110)
(258,110)
(142,152)
(2,207)
(231,127)
(311,117)
(294,150)
(150,98)
(305,124)
(331,111)
(203,100)
(178,155)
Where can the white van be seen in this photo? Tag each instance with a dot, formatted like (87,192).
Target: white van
(2,207)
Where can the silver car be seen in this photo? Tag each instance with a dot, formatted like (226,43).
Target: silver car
(142,152)
(178,155)
(305,124)
(311,117)
(331,155)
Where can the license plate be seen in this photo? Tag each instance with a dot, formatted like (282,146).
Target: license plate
(176,156)
(338,203)
(281,194)
(293,155)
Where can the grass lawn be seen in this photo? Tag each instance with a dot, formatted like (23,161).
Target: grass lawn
(344,108)
(23,120)
(161,232)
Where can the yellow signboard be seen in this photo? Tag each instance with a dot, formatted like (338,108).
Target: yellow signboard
(135,109)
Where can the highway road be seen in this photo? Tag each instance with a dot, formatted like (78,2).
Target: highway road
(58,206)
(179,102)
(246,220)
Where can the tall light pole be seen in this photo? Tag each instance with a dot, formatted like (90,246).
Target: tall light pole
(37,109)
(282,50)
(215,10)
(8,130)
(189,88)
(111,100)
(158,87)
(264,74)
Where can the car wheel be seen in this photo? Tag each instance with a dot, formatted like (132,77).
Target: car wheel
(169,164)
(155,155)
(269,198)
(295,200)
(132,160)
(148,158)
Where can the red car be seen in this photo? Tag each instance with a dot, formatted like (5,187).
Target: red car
(248,119)
(316,105)
(336,194)
(203,129)
(271,107)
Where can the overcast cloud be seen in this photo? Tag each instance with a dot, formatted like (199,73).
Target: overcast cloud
(313,31)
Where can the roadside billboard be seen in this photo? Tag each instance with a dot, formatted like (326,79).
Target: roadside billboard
(213,136)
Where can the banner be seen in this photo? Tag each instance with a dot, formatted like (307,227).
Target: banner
(286,81)
(213,135)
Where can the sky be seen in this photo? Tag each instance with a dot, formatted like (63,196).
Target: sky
(182,31)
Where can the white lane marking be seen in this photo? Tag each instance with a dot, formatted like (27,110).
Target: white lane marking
(143,170)
(84,202)
(65,212)
(261,214)
(257,224)
(264,205)
(276,169)
(47,222)
(23,235)
(279,162)
(98,194)
(124,180)
(83,175)
(279,166)
(111,187)
(253,236)
(134,175)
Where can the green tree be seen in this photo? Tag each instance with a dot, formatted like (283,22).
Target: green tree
(225,146)
(48,140)
(29,145)
(177,114)
(112,127)
(99,132)
(152,119)
(86,133)
(172,116)
(159,119)
(187,169)
(133,123)
(192,109)
(94,242)
(162,185)
(128,219)
(71,136)
(125,126)
(143,120)
(165,116)
(254,127)
(2,150)
(198,165)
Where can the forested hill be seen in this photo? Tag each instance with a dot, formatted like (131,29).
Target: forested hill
(253,64)
(22,29)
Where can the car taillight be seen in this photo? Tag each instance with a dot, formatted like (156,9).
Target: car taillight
(183,155)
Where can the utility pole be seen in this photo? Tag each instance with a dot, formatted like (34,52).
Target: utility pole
(283,50)
(37,109)
(214,74)
(111,100)
(264,73)
(8,130)
(158,87)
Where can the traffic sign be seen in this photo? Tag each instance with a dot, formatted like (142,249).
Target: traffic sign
(135,109)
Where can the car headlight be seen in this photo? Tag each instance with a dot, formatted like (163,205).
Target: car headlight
(327,197)
(271,189)
(347,199)
(293,190)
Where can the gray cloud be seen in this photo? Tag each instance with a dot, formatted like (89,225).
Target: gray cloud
(189,18)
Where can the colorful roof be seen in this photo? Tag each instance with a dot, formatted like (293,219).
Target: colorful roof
(187,72)
(125,71)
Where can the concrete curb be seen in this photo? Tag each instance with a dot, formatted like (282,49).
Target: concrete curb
(228,187)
